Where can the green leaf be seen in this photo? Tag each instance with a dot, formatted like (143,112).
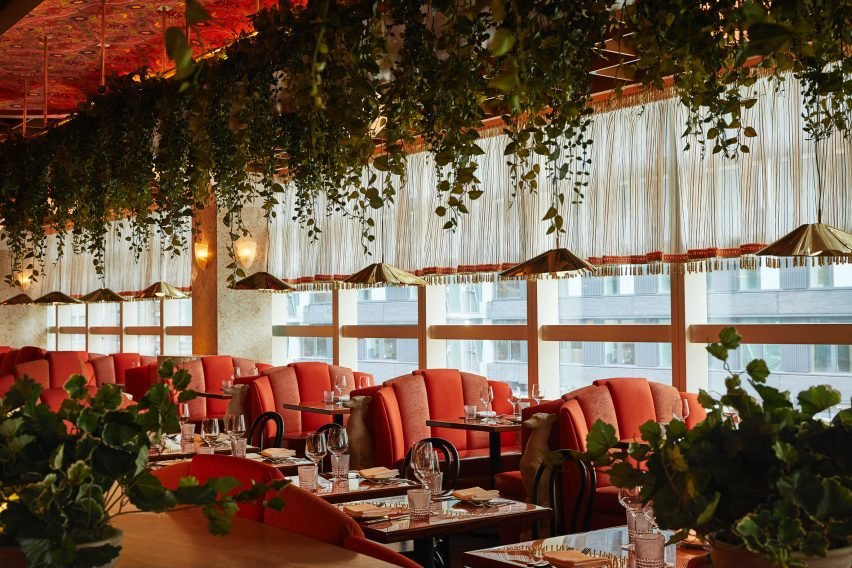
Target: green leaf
(818,398)
(75,386)
(501,42)
(757,370)
(601,439)
(57,457)
(707,513)
(729,337)
(78,472)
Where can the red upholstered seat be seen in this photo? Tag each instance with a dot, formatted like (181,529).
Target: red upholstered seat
(137,380)
(123,362)
(53,398)
(6,382)
(7,362)
(204,467)
(63,364)
(216,368)
(29,353)
(38,370)
(198,407)
(397,416)
(368,547)
(104,368)
(313,378)
(310,516)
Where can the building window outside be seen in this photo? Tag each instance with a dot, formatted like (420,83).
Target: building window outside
(386,358)
(486,303)
(391,305)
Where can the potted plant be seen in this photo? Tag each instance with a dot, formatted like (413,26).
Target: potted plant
(762,479)
(65,474)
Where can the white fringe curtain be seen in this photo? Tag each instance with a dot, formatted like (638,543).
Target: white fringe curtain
(646,195)
(75,274)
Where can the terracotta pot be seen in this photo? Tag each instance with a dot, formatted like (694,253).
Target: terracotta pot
(724,555)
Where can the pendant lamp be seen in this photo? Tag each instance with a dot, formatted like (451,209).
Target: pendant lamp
(56,299)
(159,290)
(554,263)
(263,282)
(382,274)
(17,300)
(102,296)
(814,240)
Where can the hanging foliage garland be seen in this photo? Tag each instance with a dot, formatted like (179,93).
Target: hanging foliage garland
(324,89)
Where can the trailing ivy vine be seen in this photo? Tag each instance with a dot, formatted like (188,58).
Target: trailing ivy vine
(326,88)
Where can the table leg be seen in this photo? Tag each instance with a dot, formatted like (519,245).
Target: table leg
(424,552)
(337,419)
(494,457)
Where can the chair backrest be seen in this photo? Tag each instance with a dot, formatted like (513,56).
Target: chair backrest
(7,365)
(450,459)
(104,370)
(313,517)
(259,432)
(38,370)
(205,467)
(554,488)
(123,362)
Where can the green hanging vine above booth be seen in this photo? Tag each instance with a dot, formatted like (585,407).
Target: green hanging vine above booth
(323,90)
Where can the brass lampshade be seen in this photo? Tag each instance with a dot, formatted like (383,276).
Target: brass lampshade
(102,296)
(17,300)
(381,274)
(553,262)
(811,239)
(55,299)
(159,290)
(262,281)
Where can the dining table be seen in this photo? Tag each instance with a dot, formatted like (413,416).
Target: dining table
(181,539)
(493,426)
(335,410)
(356,488)
(449,516)
(605,543)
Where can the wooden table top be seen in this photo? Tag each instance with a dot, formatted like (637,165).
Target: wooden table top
(603,541)
(317,408)
(181,539)
(453,517)
(478,425)
(357,488)
(214,394)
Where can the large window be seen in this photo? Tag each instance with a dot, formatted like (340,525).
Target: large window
(501,360)
(302,308)
(487,303)
(615,299)
(582,362)
(391,305)
(386,358)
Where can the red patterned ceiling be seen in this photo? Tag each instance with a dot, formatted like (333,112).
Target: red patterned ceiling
(133,38)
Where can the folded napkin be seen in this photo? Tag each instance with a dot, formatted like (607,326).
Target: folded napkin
(278,453)
(486,413)
(379,473)
(574,558)
(171,444)
(476,494)
(366,510)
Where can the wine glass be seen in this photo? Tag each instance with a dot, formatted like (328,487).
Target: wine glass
(629,498)
(426,465)
(483,398)
(183,413)
(238,426)
(680,411)
(210,431)
(339,387)
(515,401)
(338,441)
(536,394)
(316,448)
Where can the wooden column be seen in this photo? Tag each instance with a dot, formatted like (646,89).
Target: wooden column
(689,307)
(542,356)
(344,311)
(431,310)
(205,281)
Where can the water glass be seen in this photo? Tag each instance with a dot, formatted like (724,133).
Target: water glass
(228,383)
(648,550)
(187,438)
(328,397)
(238,447)
(419,501)
(470,412)
(340,466)
(437,485)
(308,477)
(637,523)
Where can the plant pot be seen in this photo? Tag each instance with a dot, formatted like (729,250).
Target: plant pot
(724,555)
(835,558)
(114,540)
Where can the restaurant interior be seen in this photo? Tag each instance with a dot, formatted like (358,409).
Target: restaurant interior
(440,283)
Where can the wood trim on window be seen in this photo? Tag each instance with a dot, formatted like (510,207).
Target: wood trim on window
(173,330)
(143,330)
(631,333)
(105,330)
(486,332)
(302,331)
(380,331)
(778,333)
(73,329)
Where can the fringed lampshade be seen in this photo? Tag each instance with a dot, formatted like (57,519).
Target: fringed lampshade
(18,300)
(812,240)
(381,274)
(159,290)
(262,281)
(553,264)
(102,296)
(56,299)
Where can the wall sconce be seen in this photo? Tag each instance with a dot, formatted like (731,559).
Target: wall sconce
(202,254)
(23,280)
(246,249)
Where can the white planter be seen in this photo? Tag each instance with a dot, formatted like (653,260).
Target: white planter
(115,540)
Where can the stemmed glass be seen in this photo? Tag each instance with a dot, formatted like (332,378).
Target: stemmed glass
(183,413)
(515,401)
(536,394)
(680,411)
(426,464)
(339,387)
(338,443)
(486,395)
(238,426)
(210,431)
(316,448)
